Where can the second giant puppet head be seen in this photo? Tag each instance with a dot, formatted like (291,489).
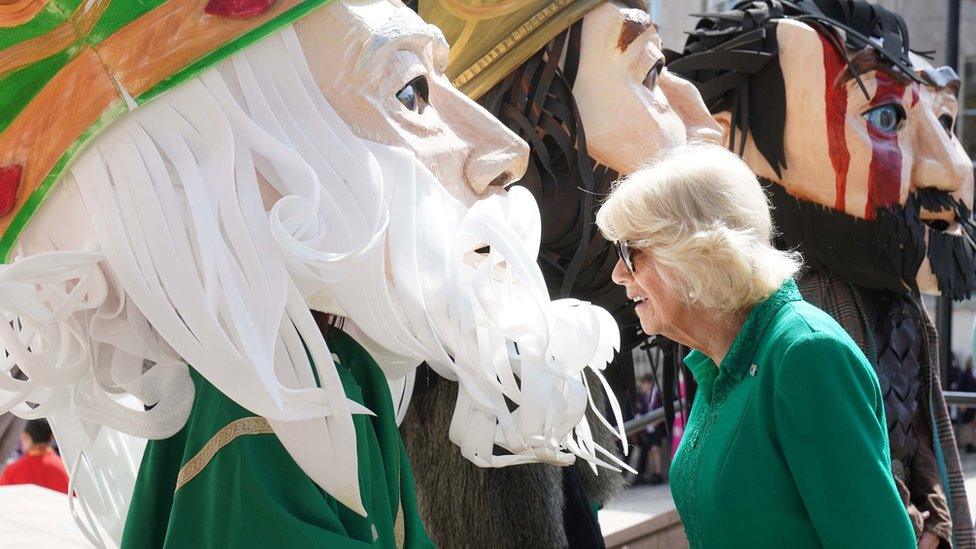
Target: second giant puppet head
(827,104)
(180,180)
(584,83)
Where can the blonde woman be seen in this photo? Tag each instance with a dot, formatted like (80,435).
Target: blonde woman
(786,445)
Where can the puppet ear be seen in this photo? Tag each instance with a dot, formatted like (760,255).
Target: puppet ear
(724,120)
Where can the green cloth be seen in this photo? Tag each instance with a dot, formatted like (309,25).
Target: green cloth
(786,445)
(253,494)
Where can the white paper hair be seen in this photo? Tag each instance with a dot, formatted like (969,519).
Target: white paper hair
(174,259)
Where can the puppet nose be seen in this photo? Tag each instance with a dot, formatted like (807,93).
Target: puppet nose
(496,163)
(940,161)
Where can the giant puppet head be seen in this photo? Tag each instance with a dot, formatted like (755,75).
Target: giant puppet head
(584,83)
(227,165)
(853,133)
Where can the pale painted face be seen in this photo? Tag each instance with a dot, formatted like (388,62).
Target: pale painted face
(857,152)
(940,159)
(622,66)
(381,67)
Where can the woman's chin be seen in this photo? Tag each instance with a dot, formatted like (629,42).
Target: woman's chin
(648,323)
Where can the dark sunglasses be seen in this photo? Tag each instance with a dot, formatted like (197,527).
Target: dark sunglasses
(623,250)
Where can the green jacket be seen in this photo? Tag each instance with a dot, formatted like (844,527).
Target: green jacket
(786,445)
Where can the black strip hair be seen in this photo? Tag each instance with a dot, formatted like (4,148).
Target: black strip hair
(884,253)
(536,102)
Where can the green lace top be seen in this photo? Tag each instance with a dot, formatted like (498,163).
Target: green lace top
(786,444)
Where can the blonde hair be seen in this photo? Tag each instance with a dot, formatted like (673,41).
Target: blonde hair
(700,213)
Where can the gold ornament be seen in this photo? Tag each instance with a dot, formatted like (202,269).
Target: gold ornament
(490,38)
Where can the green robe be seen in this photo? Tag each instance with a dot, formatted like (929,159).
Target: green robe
(253,494)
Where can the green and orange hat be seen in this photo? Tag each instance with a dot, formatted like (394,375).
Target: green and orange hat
(69,68)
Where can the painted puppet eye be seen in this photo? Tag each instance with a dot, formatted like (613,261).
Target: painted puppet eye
(947,122)
(887,117)
(415,95)
(650,81)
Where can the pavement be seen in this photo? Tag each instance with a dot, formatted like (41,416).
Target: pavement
(636,505)
(644,503)
(31,516)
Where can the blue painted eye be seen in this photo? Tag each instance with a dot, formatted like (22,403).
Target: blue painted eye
(414,95)
(887,118)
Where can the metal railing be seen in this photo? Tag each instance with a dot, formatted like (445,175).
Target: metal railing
(636,425)
(960,398)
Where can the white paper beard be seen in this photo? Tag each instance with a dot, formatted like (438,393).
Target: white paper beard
(485,321)
(178,239)
(438,310)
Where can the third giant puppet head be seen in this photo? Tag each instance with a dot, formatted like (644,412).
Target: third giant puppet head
(852,135)
(823,101)
(180,180)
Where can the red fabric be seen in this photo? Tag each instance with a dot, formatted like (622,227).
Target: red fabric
(45,470)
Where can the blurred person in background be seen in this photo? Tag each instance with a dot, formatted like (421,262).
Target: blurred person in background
(967,383)
(953,373)
(39,464)
(11,428)
(680,419)
(649,440)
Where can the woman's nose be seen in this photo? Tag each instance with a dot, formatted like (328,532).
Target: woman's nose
(621,275)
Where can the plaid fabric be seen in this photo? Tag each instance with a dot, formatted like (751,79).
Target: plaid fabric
(842,301)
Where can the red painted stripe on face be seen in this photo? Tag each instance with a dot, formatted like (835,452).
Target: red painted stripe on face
(884,174)
(914,93)
(10,177)
(238,9)
(835,99)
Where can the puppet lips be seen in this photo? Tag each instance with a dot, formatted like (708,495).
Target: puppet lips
(238,9)
(948,228)
(944,221)
(476,257)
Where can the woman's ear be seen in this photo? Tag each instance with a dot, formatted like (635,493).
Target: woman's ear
(724,121)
